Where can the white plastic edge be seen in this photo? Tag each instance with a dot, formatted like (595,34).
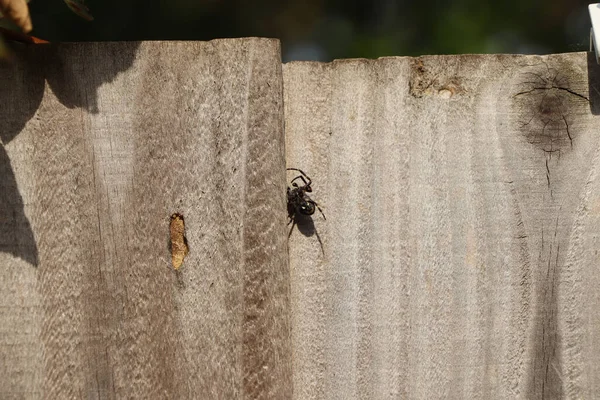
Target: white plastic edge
(594,10)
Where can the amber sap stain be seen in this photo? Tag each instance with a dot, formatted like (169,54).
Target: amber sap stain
(179,246)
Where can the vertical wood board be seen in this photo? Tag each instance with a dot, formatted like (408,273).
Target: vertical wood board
(101,143)
(460,252)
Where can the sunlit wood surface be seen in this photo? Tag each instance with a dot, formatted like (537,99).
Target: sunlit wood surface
(459,257)
(101,144)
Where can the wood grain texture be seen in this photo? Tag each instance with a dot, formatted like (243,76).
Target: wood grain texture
(101,144)
(460,251)
(458,259)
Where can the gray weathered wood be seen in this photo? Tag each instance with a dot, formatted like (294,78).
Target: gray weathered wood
(458,258)
(460,251)
(101,143)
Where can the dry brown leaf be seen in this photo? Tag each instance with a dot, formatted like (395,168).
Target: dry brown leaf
(18,12)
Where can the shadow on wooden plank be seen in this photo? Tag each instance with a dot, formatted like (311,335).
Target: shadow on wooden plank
(74,77)
(593,83)
(306,226)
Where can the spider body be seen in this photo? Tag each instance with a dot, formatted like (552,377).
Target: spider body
(298,202)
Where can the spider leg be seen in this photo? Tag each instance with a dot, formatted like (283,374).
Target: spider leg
(302,172)
(320,241)
(292,229)
(316,205)
(306,184)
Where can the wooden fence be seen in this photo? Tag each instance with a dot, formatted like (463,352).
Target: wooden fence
(458,259)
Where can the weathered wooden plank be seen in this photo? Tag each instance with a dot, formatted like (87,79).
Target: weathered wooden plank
(460,250)
(102,143)
(458,257)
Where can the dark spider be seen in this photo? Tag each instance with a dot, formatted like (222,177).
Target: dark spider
(299,204)
(298,201)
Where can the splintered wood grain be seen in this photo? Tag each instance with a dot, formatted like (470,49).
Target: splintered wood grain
(460,253)
(101,144)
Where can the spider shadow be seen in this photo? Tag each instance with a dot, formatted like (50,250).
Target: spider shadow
(306,226)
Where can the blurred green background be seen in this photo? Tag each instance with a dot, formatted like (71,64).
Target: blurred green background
(327,29)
